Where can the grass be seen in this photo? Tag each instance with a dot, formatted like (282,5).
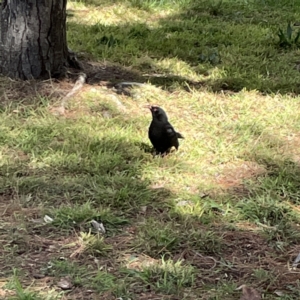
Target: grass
(221,212)
(168,277)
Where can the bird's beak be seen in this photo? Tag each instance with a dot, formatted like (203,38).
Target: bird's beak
(148,106)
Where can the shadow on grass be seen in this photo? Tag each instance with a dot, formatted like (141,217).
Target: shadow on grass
(74,179)
(63,170)
(227,39)
(69,172)
(106,172)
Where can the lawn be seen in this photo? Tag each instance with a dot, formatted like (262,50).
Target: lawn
(220,213)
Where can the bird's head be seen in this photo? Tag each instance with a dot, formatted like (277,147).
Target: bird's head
(158,113)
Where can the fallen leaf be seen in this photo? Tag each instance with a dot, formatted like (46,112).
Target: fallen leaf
(48,219)
(249,293)
(279,293)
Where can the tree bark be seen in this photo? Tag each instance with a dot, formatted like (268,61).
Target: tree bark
(33,40)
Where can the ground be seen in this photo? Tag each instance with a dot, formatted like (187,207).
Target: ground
(218,219)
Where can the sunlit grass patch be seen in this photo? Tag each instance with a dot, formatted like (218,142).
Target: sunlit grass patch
(239,45)
(80,215)
(169,276)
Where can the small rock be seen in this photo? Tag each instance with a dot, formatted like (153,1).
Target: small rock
(98,226)
(65,283)
(203,195)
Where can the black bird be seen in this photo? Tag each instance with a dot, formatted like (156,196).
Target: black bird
(161,133)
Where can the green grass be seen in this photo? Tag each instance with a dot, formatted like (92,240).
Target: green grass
(223,44)
(168,277)
(221,212)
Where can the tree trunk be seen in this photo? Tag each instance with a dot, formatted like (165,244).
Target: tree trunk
(33,40)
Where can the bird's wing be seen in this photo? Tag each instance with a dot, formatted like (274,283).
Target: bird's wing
(170,130)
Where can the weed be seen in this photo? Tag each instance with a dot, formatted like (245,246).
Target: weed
(26,294)
(288,39)
(205,242)
(282,235)
(80,215)
(63,268)
(168,276)
(157,240)
(263,275)
(265,209)
(103,281)
(94,244)
(215,8)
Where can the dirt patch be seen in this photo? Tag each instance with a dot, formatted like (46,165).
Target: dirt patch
(291,145)
(233,174)
(230,180)
(249,252)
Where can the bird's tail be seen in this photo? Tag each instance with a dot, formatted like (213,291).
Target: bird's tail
(179,135)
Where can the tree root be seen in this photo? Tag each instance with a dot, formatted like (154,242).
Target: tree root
(73,61)
(77,86)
